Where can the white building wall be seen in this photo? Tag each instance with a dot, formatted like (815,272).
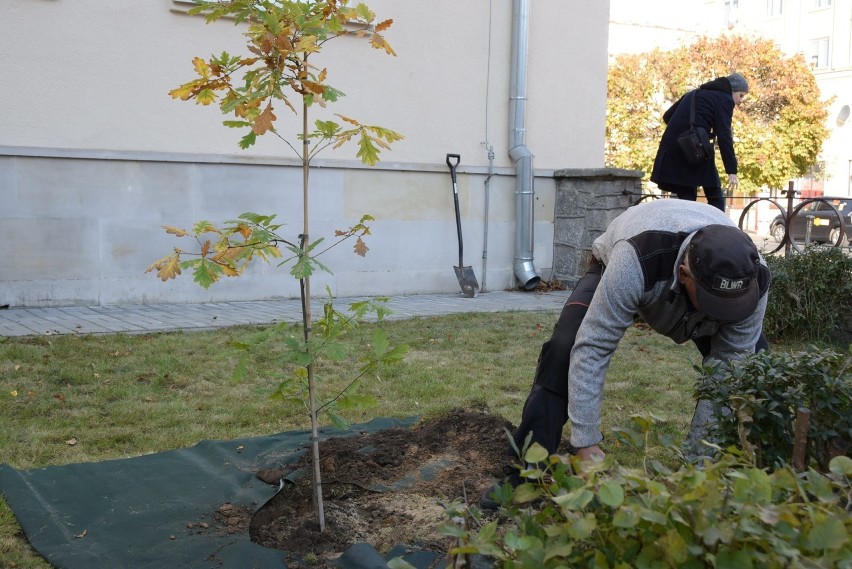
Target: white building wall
(95,155)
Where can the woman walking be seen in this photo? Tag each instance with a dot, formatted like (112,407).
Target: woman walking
(714,110)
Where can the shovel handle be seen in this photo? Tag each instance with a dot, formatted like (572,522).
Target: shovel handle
(450,162)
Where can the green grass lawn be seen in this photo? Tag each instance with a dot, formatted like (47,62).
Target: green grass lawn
(68,399)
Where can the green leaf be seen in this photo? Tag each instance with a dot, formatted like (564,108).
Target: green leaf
(625,517)
(236,124)
(367,151)
(356,401)
(379,342)
(248,140)
(841,465)
(583,528)
(653,516)
(735,559)
(673,548)
(338,421)
(206,273)
(827,533)
(611,493)
(536,454)
(526,493)
(575,500)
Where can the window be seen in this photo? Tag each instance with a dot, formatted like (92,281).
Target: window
(732,12)
(818,57)
(774,7)
(821,3)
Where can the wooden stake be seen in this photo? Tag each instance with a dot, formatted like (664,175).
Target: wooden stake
(800,442)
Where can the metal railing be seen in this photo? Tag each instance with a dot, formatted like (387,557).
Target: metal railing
(785,239)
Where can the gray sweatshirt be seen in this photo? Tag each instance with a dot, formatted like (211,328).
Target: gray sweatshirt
(642,249)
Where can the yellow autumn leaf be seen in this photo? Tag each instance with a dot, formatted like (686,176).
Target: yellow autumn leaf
(205,97)
(243,110)
(308,44)
(322,75)
(167,268)
(229,254)
(378,42)
(184,92)
(201,67)
(274,251)
(381,26)
(177,231)
(347,119)
(14,392)
(205,248)
(229,271)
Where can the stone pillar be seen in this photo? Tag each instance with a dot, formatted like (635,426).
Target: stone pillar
(587,199)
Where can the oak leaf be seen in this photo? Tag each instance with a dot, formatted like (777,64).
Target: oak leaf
(167,267)
(379,42)
(361,248)
(184,92)
(175,231)
(263,122)
(201,67)
(381,26)
(205,97)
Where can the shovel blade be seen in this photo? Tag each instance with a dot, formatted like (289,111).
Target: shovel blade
(467,280)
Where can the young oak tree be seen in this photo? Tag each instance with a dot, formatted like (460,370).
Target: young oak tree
(778,130)
(277,73)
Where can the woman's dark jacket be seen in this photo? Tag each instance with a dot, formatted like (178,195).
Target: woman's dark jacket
(714,109)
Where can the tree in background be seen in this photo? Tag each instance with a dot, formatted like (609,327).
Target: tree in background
(778,131)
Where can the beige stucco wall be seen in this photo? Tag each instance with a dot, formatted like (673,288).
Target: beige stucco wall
(95,74)
(95,156)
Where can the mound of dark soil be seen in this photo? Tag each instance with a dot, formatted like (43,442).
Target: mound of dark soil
(383,488)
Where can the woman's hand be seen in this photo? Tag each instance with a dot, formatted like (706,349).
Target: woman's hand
(733,181)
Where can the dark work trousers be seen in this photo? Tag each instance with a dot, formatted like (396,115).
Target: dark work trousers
(546,408)
(715,196)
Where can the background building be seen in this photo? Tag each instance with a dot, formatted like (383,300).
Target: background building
(95,156)
(820,30)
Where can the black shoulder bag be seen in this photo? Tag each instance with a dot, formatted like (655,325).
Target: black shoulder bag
(695,142)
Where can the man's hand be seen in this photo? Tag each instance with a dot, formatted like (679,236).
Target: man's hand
(591,454)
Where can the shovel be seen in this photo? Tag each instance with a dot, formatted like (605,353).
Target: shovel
(467,280)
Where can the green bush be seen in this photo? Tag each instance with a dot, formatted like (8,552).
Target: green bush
(726,513)
(810,298)
(756,401)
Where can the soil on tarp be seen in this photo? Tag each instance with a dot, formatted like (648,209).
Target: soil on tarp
(383,488)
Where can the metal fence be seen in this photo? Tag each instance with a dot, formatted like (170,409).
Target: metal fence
(830,228)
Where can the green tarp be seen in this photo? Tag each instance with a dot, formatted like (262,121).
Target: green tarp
(144,512)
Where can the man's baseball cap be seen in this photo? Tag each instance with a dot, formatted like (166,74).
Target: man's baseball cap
(724,262)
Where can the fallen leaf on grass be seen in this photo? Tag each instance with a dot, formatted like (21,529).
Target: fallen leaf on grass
(71,442)
(82,534)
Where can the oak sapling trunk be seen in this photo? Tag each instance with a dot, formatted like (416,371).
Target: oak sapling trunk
(281,38)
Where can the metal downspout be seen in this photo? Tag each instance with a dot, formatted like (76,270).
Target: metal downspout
(525,271)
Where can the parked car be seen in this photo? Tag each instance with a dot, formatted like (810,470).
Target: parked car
(825,226)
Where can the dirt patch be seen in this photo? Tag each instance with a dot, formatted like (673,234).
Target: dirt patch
(383,488)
